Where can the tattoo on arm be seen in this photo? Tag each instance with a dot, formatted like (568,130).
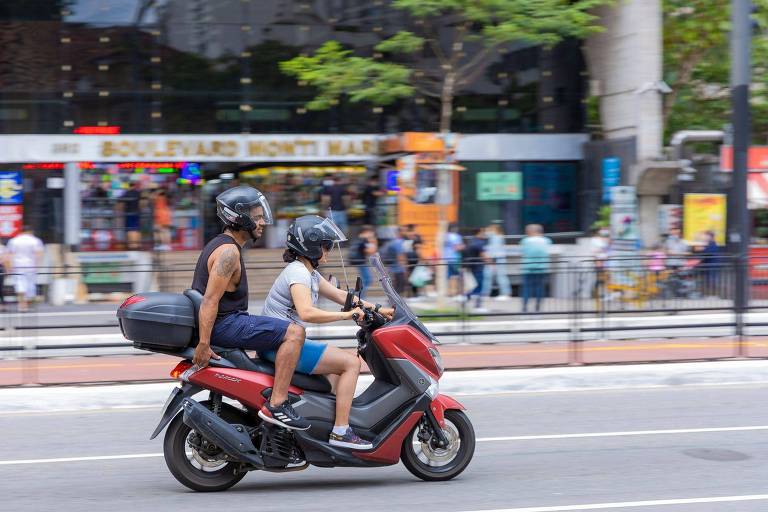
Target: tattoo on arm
(227,263)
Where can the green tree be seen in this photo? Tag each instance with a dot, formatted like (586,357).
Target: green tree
(448,49)
(697,66)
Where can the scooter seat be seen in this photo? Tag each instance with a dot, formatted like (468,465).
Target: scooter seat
(240,359)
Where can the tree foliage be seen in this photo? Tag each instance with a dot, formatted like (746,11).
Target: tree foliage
(461,37)
(697,66)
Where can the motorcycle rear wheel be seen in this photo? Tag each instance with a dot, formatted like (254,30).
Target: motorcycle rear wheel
(220,477)
(435,464)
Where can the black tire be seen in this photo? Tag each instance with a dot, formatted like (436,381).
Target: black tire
(174,450)
(466,436)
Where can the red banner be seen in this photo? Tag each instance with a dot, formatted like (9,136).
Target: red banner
(757,158)
(11,219)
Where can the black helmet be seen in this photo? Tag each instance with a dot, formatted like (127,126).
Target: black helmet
(234,207)
(307,236)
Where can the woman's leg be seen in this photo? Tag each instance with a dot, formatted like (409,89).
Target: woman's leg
(347,366)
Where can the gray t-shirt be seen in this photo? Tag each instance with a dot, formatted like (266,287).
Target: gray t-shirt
(279,303)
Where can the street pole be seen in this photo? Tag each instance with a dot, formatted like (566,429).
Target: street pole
(741,38)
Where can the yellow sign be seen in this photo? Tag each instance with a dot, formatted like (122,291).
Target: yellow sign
(702,213)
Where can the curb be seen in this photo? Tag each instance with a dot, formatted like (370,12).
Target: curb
(475,382)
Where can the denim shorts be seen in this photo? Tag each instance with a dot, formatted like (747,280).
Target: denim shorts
(311,354)
(250,332)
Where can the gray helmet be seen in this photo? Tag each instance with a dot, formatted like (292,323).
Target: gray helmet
(234,207)
(308,234)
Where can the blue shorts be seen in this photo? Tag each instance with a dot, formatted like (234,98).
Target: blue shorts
(310,356)
(454,269)
(250,332)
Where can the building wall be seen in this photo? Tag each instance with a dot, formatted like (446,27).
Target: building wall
(211,66)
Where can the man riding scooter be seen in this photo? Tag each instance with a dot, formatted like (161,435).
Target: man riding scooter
(220,276)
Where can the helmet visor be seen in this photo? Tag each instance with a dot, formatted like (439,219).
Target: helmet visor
(255,215)
(331,232)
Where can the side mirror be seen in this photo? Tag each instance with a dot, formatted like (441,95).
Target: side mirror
(358,285)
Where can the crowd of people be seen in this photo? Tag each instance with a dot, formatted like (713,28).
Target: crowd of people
(475,266)
(680,269)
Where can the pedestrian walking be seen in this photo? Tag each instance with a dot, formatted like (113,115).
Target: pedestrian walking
(598,250)
(395,258)
(335,196)
(535,262)
(496,269)
(453,245)
(371,194)
(362,248)
(413,245)
(131,201)
(26,253)
(163,221)
(474,261)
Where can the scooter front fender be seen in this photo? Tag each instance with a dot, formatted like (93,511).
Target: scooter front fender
(440,404)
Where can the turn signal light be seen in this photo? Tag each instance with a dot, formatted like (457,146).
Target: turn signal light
(177,372)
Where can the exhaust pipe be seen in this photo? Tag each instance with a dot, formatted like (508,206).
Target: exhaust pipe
(233,439)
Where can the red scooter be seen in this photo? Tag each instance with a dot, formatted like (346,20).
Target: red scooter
(210,445)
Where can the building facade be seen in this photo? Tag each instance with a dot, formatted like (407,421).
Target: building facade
(194,67)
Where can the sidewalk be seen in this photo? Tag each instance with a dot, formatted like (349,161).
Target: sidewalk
(144,366)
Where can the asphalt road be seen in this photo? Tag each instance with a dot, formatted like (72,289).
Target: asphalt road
(549,469)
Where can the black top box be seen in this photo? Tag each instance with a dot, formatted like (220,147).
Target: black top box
(157,319)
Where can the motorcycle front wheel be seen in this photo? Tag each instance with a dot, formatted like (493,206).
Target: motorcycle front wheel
(201,469)
(431,463)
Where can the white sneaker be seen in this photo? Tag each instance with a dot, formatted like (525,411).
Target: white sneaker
(502,297)
(460,298)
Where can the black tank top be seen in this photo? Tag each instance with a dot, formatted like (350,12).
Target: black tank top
(231,301)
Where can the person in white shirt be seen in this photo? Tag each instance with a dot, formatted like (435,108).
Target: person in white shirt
(26,254)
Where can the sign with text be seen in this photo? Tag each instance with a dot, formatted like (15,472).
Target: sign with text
(499,186)
(702,213)
(611,176)
(11,188)
(11,220)
(184,148)
(625,232)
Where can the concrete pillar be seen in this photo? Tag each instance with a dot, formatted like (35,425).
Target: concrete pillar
(72,204)
(648,215)
(625,71)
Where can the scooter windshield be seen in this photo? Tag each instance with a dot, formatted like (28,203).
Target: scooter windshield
(403,313)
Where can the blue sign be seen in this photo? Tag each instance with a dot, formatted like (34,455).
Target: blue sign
(11,188)
(392,185)
(611,176)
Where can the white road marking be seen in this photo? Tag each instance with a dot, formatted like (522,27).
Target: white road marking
(622,434)
(79,459)
(479,440)
(633,504)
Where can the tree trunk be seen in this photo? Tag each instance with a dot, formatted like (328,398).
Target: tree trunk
(446,102)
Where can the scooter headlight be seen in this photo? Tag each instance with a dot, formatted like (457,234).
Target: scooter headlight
(437,358)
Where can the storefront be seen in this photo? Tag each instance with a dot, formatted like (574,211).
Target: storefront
(124,181)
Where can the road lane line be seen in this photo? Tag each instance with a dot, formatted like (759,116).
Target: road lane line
(479,440)
(632,504)
(79,459)
(622,434)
